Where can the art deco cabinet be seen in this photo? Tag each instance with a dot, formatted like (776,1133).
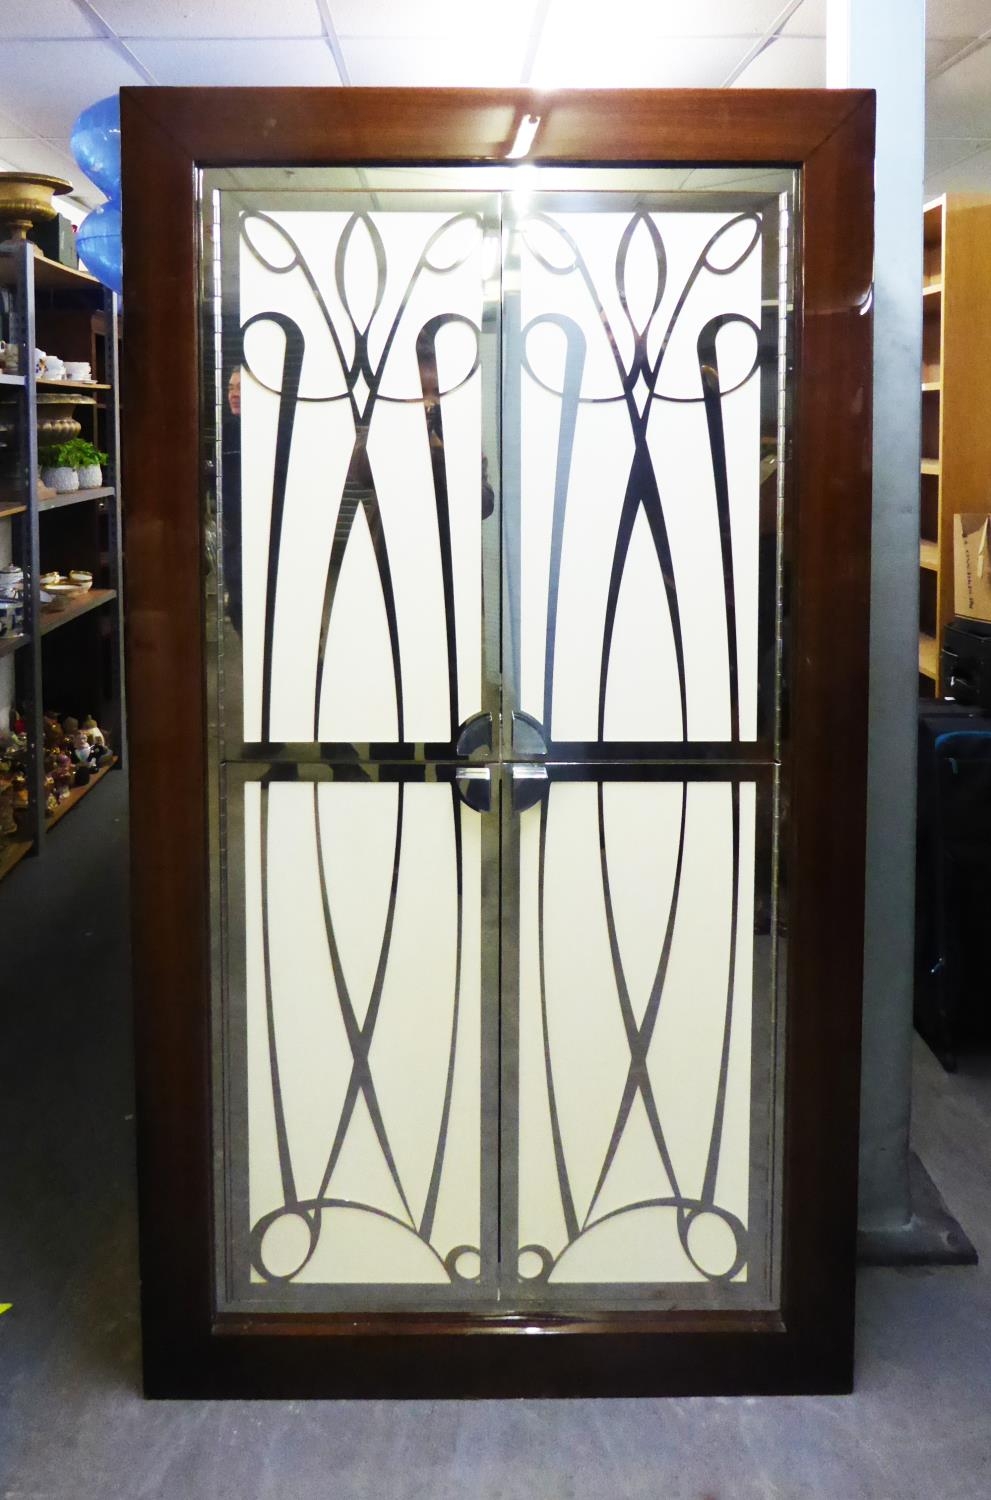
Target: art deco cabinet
(498,951)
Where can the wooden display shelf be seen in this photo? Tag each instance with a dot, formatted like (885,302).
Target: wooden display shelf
(70,385)
(10,643)
(76,497)
(77,794)
(11,854)
(929,466)
(928,656)
(53,619)
(51,276)
(931,385)
(932,297)
(86,665)
(929,555)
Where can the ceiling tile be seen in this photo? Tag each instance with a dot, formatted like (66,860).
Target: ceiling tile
(972,175)
(244,63)
(44,18)
(631,22)
(957,17)
(441,18)
(612,62)
(47,84)
(946,151)
(454,62)
(212,18)
(958,102)
(808,20)
(791,62)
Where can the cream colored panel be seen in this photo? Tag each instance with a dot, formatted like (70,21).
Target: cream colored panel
(539,1207)
(617,437)
(634,1159)
(383,441)
(358,686)
(362,1175)
(687,1044)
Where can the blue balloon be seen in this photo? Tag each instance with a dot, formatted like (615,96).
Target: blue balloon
(96,144)
(98,245)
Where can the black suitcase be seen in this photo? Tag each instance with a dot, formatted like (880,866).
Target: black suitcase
(953,951)
(967,663)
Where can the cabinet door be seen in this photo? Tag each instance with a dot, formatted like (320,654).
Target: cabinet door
(471,1057)
(646,348)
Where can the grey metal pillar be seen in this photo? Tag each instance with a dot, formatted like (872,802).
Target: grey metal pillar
(880,44)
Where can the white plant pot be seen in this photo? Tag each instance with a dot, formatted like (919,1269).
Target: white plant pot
(61,480)
(90,477)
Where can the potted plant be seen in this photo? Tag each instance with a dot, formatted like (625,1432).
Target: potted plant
(73,465)
(89,461)
(57,468)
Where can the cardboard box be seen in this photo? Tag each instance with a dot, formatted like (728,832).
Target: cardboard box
(972,566)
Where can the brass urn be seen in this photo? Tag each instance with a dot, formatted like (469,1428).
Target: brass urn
(26,200)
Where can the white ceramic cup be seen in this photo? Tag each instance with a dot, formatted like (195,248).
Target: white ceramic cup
(76,370)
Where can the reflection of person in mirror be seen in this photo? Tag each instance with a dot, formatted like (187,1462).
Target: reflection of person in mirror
(230,449)
(430,384)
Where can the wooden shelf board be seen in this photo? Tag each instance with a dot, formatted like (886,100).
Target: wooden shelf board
(13,509)
(11,854)
(10,643)
(75,497)
(931,385)
(929,555)
(91,599)
(933,288)
(928,656)
(77,794)
(49,275)
(929,466)
(70,385)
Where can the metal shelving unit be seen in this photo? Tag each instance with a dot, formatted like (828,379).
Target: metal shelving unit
(39,294)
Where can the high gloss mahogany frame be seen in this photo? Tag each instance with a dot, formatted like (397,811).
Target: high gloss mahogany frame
(807,1347)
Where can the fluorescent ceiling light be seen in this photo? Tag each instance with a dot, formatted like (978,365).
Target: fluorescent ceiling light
(524,137)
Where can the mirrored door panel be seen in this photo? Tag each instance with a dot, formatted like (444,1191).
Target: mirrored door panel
(360,1029)
(638,1063)
(496,614)
(357,335)
(644,361)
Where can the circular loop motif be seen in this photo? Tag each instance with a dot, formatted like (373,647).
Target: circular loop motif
(269,243)
(729,233)
(534,1263)
(463,1263)
(549,244)
(714,1241)
(458,240)
(283,1241)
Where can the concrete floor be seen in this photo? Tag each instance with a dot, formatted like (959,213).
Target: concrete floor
(73,1423)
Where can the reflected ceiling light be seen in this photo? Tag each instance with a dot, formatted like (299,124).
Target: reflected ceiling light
(524,182)
(528,128)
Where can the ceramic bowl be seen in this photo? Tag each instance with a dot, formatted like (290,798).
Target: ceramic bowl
(81,579)
(11,617)
(62,594)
